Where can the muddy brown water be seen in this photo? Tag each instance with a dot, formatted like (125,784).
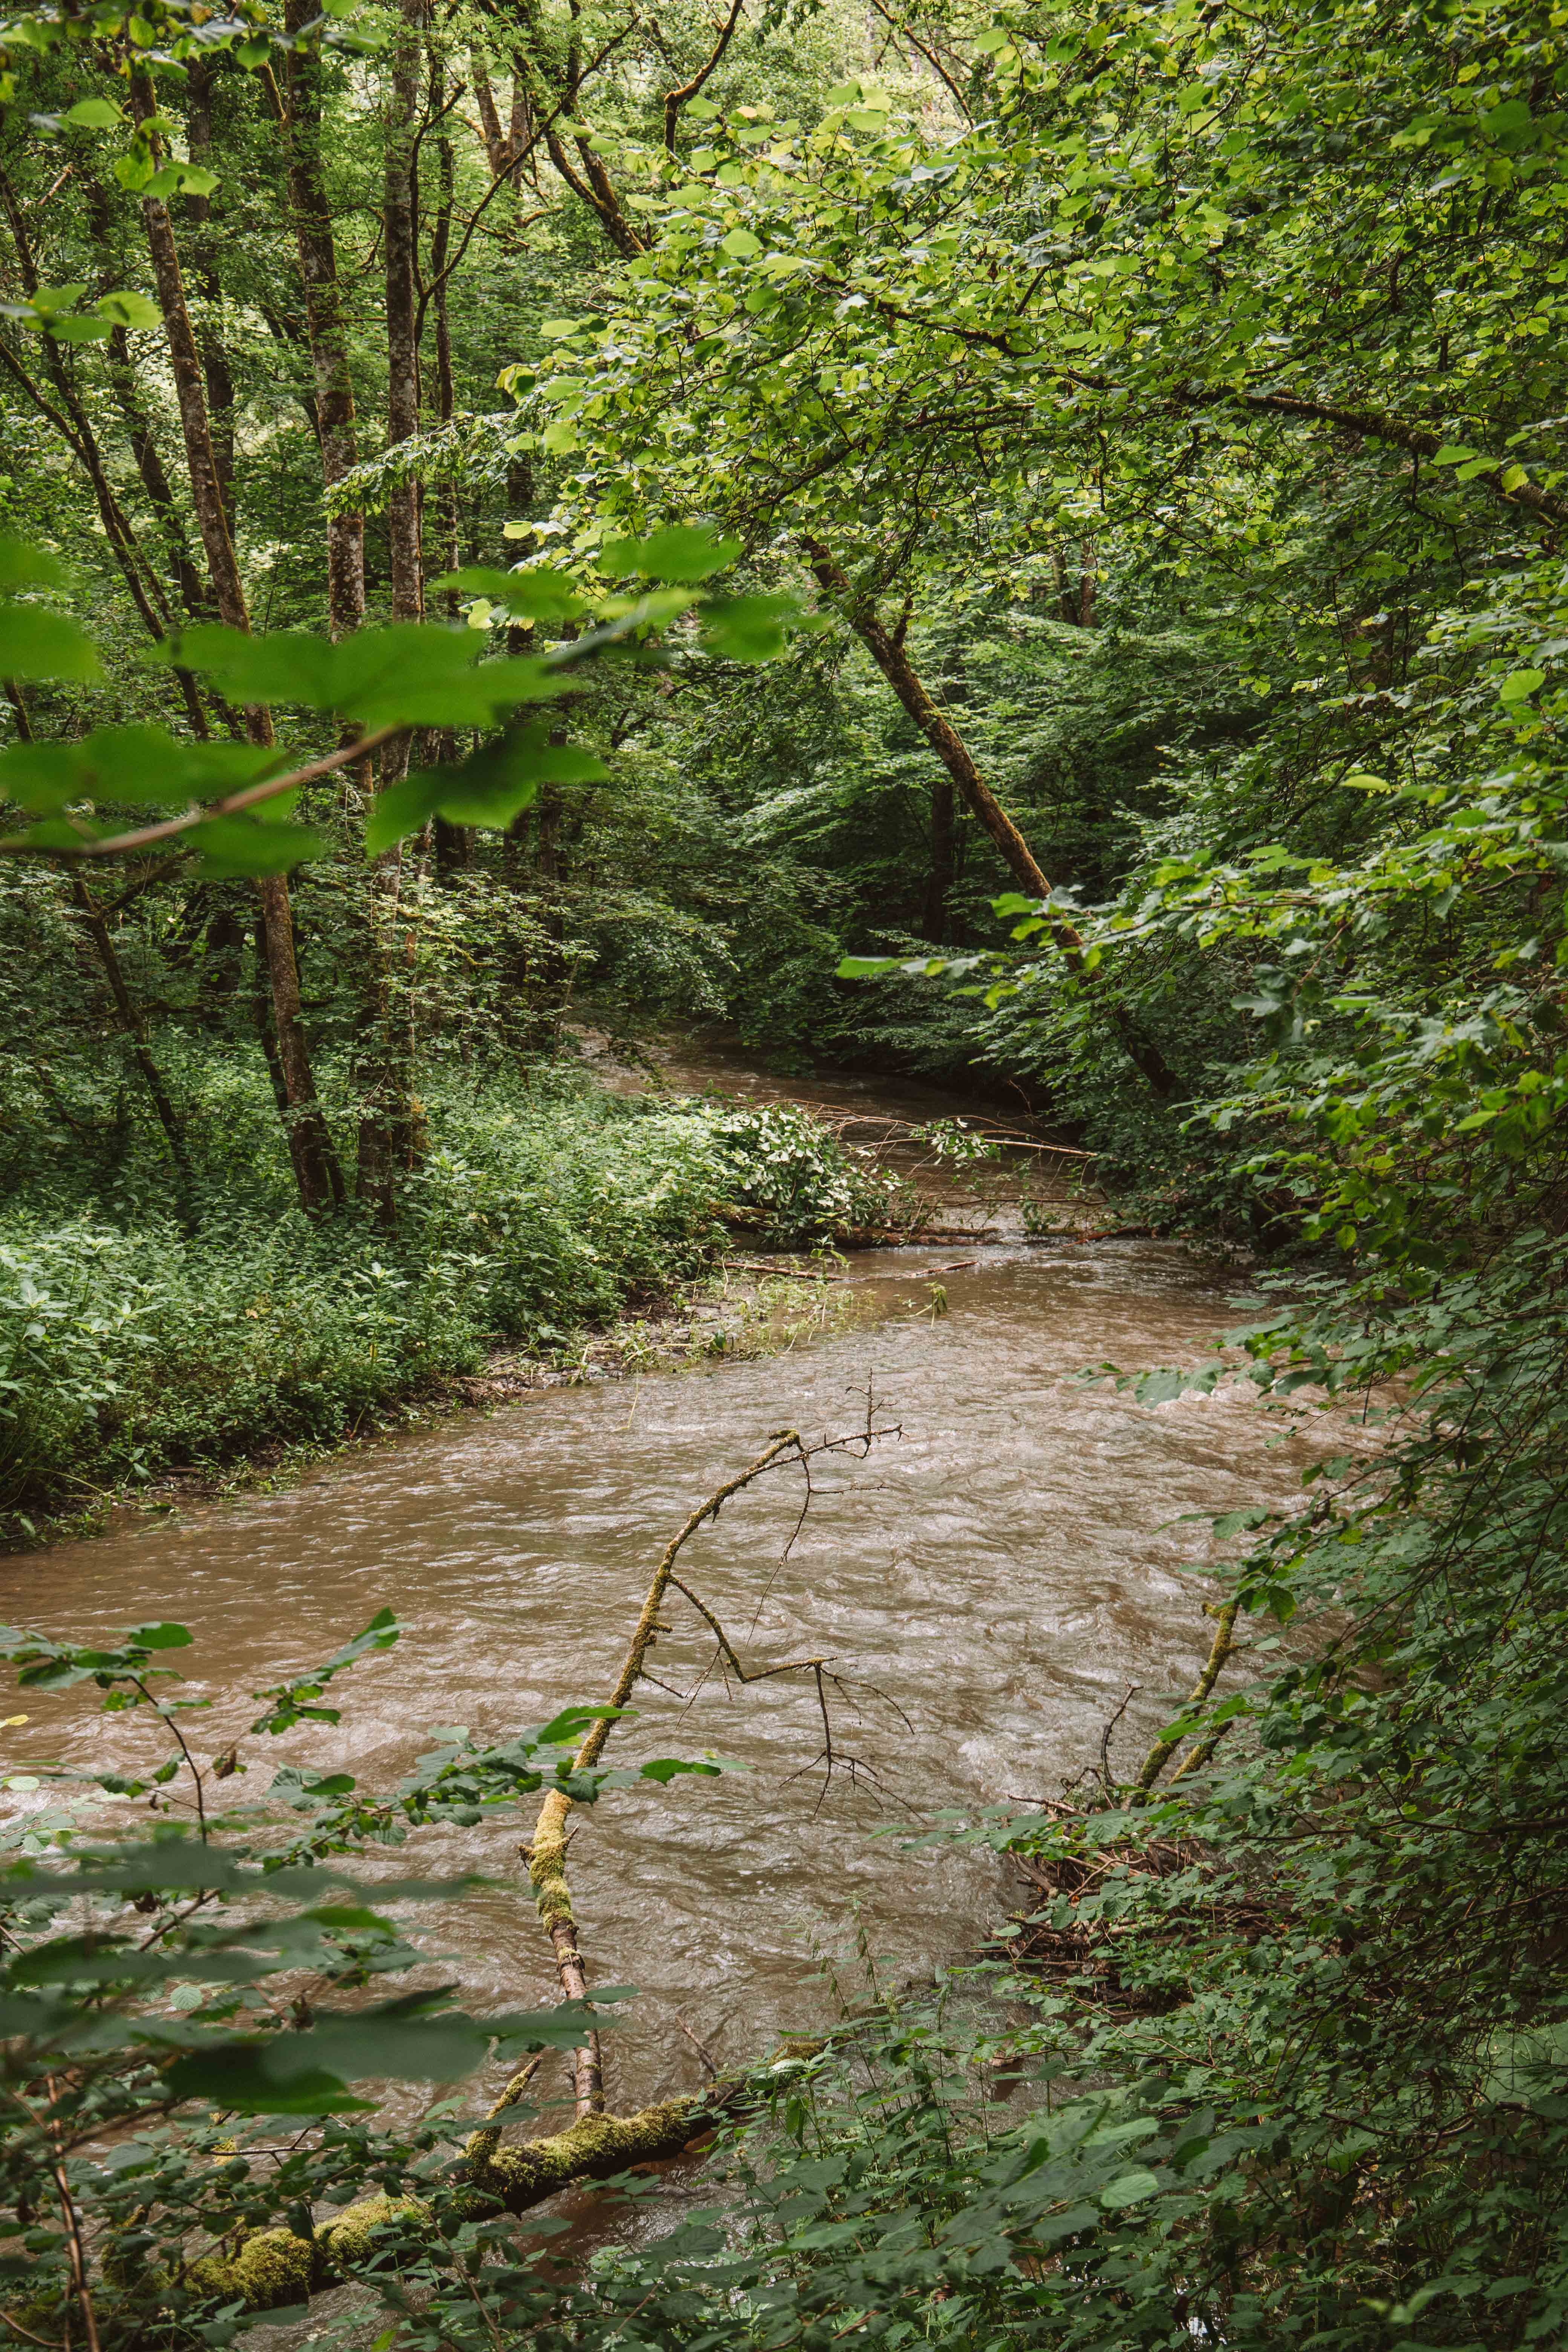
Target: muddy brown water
(1002,1571)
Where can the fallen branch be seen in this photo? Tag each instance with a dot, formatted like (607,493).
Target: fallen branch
(1160,1755)
(598,2145)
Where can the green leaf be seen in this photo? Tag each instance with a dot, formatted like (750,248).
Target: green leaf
(247,845)
(175,178)
(1520,685)
(93,114)
(287,666)
(411,675)
(161,1636)
(70,327)
(402,808)
(140,765)
(1129,2189)
(497,784)
(741,245)
(22,565)
(130,309)
(35,642)
(401,2040)
(748,628)
(532,594)
(683,551)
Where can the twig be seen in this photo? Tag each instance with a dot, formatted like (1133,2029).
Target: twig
(699,2048)
(115,845)
(73,2227)
(27,2332)
(1132,1690)
(546,1853)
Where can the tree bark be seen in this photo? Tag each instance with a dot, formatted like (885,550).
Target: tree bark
(325,324)
(887,650)
(400,229)
(154,476)
(384,1120)
(74,426)
(316,1168)
(190,393)
(546,1853)
(215,369)
(315,1161)
(262,1012)
(938,881)
(1160,1755)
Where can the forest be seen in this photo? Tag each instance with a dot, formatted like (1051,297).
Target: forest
(1011,554)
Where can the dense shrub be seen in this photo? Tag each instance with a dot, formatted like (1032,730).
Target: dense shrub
(127,1344)
(794,1181)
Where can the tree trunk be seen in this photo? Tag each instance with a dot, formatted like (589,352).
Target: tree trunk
(155,479)
(215,369)
(266,1031)
(225,945)
(74,426)
(1088,580)
(546,1853)
(190,393)
(324,321)
(383,1119)
(938,881)
(886,648)
(316,1168)
(311,1149)
(400,228)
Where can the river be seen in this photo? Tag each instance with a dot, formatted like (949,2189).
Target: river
(1000,1571)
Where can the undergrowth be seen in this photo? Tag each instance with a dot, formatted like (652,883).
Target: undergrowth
(541,1206)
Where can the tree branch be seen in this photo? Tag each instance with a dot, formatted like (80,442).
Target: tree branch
(673,100)
(115,845)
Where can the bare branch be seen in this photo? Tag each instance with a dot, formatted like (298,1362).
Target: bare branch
(673,100)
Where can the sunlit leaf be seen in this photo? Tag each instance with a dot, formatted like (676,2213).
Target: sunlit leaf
(683,551)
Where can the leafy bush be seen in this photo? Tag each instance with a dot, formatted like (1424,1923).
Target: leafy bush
(794,1181)
(537,1207)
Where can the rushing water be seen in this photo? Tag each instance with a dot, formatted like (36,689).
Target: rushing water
(1000,1571)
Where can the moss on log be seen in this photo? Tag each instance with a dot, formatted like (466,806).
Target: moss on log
(272,2268)
(595,2147)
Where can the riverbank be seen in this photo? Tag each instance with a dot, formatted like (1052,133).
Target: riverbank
(578,1222)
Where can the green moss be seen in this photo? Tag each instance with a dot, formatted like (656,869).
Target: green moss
(593,2149)
(272,2268)
(351,2241)
(554,1900)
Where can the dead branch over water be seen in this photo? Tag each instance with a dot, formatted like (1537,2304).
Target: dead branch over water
(596,2146)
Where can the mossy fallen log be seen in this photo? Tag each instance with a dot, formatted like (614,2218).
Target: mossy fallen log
(272,2268)
(595,2147)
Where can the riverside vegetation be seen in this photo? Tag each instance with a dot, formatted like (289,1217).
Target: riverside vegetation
(1030,535)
